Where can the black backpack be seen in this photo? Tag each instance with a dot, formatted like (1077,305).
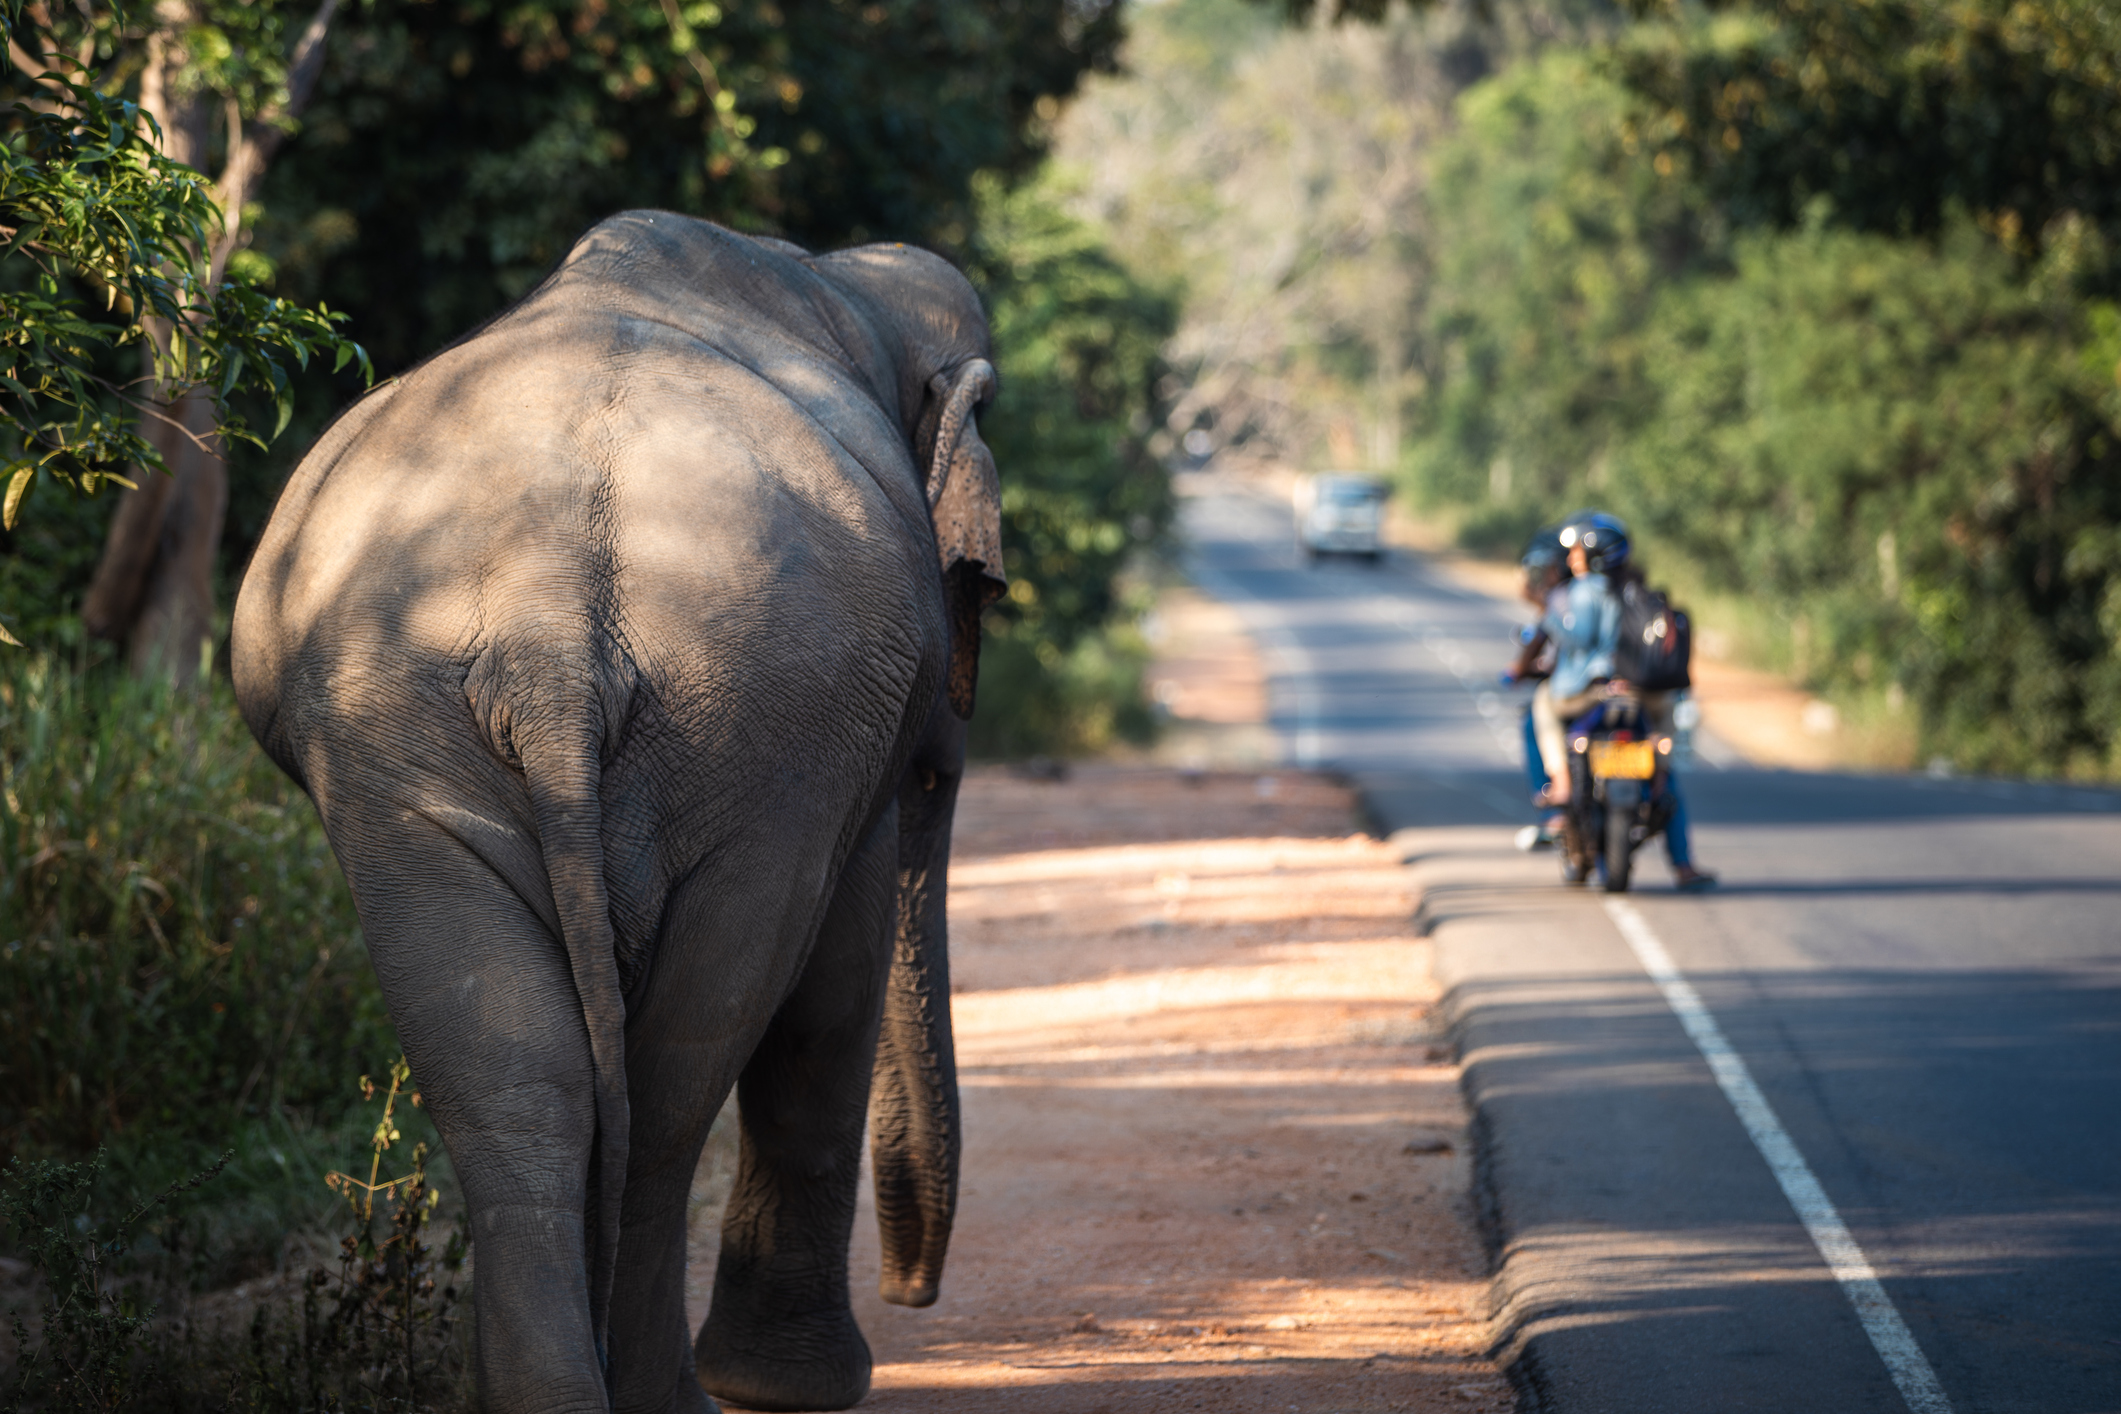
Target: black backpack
(1656,641)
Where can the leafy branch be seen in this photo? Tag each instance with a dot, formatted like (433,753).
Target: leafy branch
(107,244)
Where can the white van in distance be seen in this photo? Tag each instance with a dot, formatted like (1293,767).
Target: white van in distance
(1340,513)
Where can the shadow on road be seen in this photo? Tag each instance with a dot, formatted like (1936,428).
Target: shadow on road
(1925,1101)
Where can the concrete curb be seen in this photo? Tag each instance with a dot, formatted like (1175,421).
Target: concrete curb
(1609,1171)
(1432,875)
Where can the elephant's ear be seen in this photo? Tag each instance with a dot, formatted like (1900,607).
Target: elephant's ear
(965,501)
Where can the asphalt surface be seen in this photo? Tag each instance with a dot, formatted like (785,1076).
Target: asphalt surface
(1922,977)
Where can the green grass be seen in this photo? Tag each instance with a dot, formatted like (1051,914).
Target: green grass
(181,970)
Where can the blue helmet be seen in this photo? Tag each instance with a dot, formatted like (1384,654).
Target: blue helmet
(1603,537)
(1544,549)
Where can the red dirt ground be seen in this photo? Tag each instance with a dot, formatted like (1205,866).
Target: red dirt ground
(1213,1145)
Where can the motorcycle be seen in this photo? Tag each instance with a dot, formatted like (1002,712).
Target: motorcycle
(1620,796)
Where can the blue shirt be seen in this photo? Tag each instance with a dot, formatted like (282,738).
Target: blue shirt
(1583,621)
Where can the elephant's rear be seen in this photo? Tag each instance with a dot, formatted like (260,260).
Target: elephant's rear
(602,655)
(666,565)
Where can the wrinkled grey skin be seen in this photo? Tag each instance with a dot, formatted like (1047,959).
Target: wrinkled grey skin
(625,649)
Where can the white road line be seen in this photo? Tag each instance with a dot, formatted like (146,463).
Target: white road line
(1881,1319)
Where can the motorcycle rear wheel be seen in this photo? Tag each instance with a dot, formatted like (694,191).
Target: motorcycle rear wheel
(1619,849)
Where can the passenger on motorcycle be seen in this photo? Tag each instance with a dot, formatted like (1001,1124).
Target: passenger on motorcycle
(1584,626)
(1546,574)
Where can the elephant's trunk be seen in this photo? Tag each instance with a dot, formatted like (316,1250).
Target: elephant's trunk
(914,1134)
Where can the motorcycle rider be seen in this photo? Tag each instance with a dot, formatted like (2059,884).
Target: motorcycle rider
(1545,566)
(1584,626)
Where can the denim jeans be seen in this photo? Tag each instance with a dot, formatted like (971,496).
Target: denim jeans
(1535,771)
(1677,848)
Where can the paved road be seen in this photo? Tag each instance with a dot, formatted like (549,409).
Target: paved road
(1919,979)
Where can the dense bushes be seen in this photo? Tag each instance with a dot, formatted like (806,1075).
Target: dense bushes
(382,1333)
(180,966)
(1077,341)
(1917,468)
(1893,454)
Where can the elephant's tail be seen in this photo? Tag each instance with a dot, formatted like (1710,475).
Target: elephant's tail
(561,766)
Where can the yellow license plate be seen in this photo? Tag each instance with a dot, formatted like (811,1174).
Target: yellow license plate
(1623,760)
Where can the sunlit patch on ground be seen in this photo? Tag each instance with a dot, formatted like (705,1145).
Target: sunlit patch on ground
(1213,1141)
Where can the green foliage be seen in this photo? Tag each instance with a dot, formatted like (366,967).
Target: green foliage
(1815,291)
(1895,113)
(1919,467)
(105,242)
(384,1333)
(1899,450)
(180,965)
(905,100)
(1037,700)
(453,152)
(46,563)
(90,1323)
(1551,244)
(1077,339)
(1281,174)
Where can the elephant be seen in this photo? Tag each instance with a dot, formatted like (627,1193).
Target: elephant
(626,648)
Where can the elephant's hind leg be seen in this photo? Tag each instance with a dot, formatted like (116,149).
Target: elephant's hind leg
(486,1007)
(781,1333)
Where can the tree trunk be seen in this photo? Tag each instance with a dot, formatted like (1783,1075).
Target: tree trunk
(154,587)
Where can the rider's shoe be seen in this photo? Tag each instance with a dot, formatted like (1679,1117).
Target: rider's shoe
(1575,859)
(1543,835)
(1690,880)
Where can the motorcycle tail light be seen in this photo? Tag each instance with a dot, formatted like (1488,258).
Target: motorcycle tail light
(1664,746)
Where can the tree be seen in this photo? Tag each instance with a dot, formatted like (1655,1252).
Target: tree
(1917,470)
(910,98)
(1280,173)
(453,152)
(448,154)
(204,61)
(1550,243)
(1889,115)
(1887,458)
(1078,339)
(109,243)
